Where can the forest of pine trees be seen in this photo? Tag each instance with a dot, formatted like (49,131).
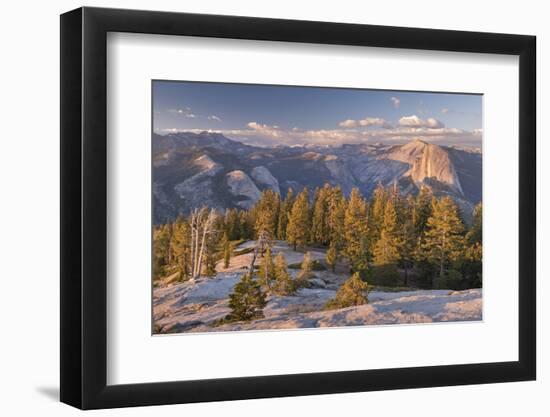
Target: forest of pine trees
(419,241)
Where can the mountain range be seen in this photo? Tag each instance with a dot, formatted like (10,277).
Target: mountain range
(197,169)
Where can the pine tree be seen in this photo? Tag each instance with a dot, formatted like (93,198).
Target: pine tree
(444,238)
(284,285)
(246,224)
(284,213)
(336,214)
(355,232)
(353,292)
(211,255)
(161,249)
(297,231)
(180,243)
(406,236)
(267,269)
(266,214)
(226,248)
(246,301)
(386,248)
(306,270)
(473,250)
(423,210)
(319,228)
(232,224)
(378,205)
(475,234)
(331,256)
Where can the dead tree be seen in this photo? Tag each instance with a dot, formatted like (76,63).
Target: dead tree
(259,248)
(202,226)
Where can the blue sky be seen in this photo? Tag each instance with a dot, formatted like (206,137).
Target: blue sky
(272,115)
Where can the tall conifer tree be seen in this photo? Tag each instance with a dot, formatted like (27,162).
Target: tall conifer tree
(336,214)
(297,231)
(378,205)
(386,248)
(284,213)
(406,235)
(355,231)
(226,248)
(444,236)
(181,246)
(319,226)
(266,214)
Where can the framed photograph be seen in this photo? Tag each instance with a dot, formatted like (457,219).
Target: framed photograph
(259,208)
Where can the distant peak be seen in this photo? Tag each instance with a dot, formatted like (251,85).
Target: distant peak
(418,140)
(414,146)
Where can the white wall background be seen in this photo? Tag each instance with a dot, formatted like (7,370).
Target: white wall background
(29,225)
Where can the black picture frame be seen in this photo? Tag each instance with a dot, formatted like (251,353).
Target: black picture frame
(84,207)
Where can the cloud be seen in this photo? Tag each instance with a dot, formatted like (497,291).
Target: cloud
(214,117)
(180,110)
(262,134)
(350,131)
(183,111)
(348,123)
(415,121)
(366,122)
(444,110)
(375,121)
(255,133)
(396,102)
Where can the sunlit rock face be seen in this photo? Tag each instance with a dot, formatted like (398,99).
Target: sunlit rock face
(427,160)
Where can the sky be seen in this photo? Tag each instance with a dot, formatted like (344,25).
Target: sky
(268,115)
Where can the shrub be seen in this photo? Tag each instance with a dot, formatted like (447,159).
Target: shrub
(306,271)
(246,301)
(331,257)
(284,285)
(353,292)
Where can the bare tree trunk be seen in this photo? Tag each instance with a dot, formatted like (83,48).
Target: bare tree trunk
(196,271)
(192,260)
(257,248)
(201,250)
(207,229)
(195,226)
